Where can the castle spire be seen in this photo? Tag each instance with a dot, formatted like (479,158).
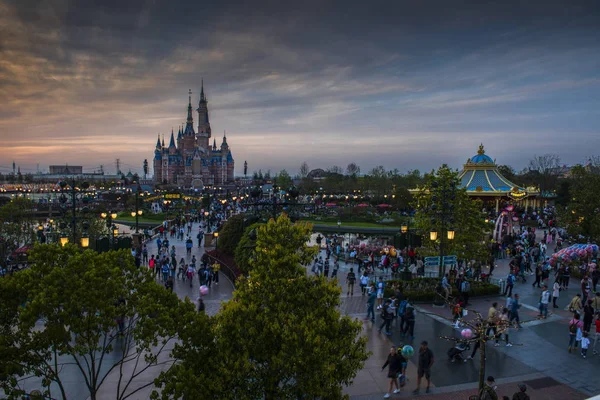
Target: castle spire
(224,139)
(214,144)
(202,98)
(158,142)
(163,142)
(189,117)
(172,142)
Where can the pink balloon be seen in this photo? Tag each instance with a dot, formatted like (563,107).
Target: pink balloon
(466,333)
(203,290)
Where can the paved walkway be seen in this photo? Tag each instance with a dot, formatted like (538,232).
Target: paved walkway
(540,356)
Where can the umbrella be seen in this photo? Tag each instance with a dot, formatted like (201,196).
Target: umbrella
(330,205)
(383,205)
(363,205)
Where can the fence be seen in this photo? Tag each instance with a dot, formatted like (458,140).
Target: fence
(229,271)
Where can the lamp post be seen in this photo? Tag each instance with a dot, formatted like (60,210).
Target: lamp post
(444,193)
(137,211)
(74,191)
(110,217)
(405,230)
(216,235)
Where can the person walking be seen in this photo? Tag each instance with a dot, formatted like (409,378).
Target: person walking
(597,336)
(575,304)
(426,360)
(514,310)
(380,289)
(465,288)
(387,314)
(585,343)
(521,395)
(588,316)
(538,276)
(446,287)
(503,328)
(394,361)
(371,304)
(489,390)
(350,279)
(555,293)
(510,283)
(409,321)
(544,300)
(492,317)
(575,326)
(364,282)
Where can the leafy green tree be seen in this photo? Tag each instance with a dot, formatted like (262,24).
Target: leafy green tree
(78,295)
(246,248)
(284,180)
(282,335)
(465,217)
(580,216)
(17,222)
(231,233)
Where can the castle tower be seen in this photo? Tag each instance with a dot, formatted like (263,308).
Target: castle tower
(204,132)
(157,163)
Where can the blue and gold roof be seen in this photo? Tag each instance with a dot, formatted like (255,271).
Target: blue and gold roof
(480,174)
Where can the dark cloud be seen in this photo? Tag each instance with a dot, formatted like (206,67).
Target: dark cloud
(380,82)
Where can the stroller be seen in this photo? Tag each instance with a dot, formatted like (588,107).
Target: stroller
(455,353)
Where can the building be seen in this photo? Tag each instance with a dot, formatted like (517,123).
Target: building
(191,161)
(66,169)
(482,179)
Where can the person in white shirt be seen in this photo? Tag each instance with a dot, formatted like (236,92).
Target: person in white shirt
(555,293)
(585,343)
(544,300)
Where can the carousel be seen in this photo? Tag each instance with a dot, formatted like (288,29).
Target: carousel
(482,179)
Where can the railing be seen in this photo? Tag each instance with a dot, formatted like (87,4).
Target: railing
(232,273)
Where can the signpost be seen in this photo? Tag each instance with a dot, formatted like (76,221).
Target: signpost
(435,261)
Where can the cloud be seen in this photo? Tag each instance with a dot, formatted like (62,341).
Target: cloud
(400,84)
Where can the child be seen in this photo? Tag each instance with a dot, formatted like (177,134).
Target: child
(585,343)
(457,311)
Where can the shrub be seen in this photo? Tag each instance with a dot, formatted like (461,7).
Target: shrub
(424,289)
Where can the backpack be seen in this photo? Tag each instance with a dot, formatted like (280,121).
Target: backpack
(510,280)
(409,312)
(466,286)
(402,307)
(573,328)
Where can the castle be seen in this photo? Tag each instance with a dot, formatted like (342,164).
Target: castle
(193,162)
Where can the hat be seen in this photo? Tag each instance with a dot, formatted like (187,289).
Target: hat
(424,343)
(491,379)
(522,387)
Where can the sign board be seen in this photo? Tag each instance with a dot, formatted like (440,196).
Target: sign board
(435,261)
(172,195)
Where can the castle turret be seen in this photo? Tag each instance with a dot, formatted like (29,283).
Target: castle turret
(224,145)
(189,124)
(172,148)
(204,132)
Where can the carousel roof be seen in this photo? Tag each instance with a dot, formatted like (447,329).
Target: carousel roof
(480,174)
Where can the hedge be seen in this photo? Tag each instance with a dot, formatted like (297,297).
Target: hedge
(424,289)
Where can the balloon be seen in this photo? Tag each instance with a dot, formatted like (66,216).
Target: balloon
(408,351)
(466,333)
(203,290)
(393,252)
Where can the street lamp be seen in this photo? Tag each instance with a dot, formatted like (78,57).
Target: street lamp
(404,228)
(64,240)
(442,212)
(433,235)
(216,235)
(451,234)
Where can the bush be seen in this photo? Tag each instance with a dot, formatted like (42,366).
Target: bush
(424,289)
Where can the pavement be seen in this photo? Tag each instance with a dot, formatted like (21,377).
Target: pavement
(538,357)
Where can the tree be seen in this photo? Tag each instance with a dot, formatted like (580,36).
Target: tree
(547,169)
(465,214)
(282,335)
(245,250)
(78,295)
(352,170)
(581,215)
(284,180)
(304,170)
(231,233)
(336,169)
(17,222)
(145,168)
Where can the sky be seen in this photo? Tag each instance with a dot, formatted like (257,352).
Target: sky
(403,84)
